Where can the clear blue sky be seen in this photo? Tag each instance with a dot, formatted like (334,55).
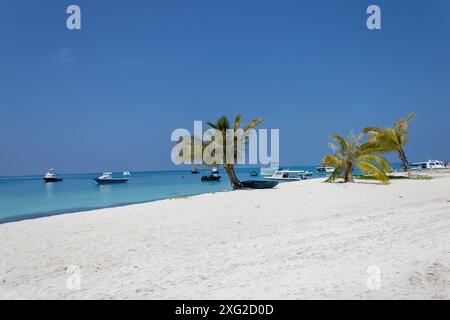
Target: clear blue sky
(109,96)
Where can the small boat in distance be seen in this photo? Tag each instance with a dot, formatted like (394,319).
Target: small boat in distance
(195,171)
(126,174)
(325,169)
(257,184)
(289,175)
(211,177)
(107,178)
(51,176)
(214,176)
(253,174)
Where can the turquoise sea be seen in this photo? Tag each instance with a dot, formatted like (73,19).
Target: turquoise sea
(29,197)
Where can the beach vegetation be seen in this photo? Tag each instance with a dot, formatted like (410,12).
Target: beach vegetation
(393,139)
(352,153)
(218,145)
(369,177)
(421,177)
(238,131)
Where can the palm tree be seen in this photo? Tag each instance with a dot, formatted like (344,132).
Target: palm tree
(393,139)
(223,124)
(351,153)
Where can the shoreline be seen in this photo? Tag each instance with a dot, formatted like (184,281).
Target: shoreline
(38,215)
(302,240)
(33,216)
(82,194)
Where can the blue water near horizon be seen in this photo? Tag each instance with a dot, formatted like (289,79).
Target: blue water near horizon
(30,197)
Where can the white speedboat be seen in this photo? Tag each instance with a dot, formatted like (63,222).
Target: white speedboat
(289,175)
(51,176)
(325,169)
(126,174)
(430,164)
(107,178)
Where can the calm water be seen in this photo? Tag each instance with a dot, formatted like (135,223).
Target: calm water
(29,197)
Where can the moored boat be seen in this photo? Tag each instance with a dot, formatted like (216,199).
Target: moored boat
(211,177)
(289,175)
(107,178)
(51,176)
(258,184)
(195,171)
(430,164)
(325,169)
(214,176)
(126,174)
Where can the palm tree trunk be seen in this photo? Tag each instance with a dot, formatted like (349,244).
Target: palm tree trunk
(348,173)
(235,183)
(404,160)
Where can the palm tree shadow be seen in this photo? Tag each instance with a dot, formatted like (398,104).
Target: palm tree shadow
(371,182)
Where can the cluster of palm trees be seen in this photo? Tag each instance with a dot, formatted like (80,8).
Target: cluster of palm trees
(349,154)
(353,152)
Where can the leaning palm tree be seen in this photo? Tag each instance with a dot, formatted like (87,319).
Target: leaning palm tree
(222,125)
(351,153)
(393,139)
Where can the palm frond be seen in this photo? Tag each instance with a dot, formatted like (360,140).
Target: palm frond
(222,123)
(374,130)
(237,122)
(252,124)
(381,162)
(212,125)
(371,147)
(371,169)
(342,143)
(333,161)
(373,133)
(410,117)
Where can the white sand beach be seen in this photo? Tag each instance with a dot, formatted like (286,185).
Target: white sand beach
(303,240)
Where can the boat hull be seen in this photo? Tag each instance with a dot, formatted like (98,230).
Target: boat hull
(110,181)
(325,170)
(211,178)
(256,184)
(53,179)
(283,179)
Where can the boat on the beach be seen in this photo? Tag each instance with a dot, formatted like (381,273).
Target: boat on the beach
(214,176)
(325,169)
(107,178)
(258,184)
(51,176)
(430,164)
(289,175)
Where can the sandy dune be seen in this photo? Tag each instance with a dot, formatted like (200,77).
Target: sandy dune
(303,240)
